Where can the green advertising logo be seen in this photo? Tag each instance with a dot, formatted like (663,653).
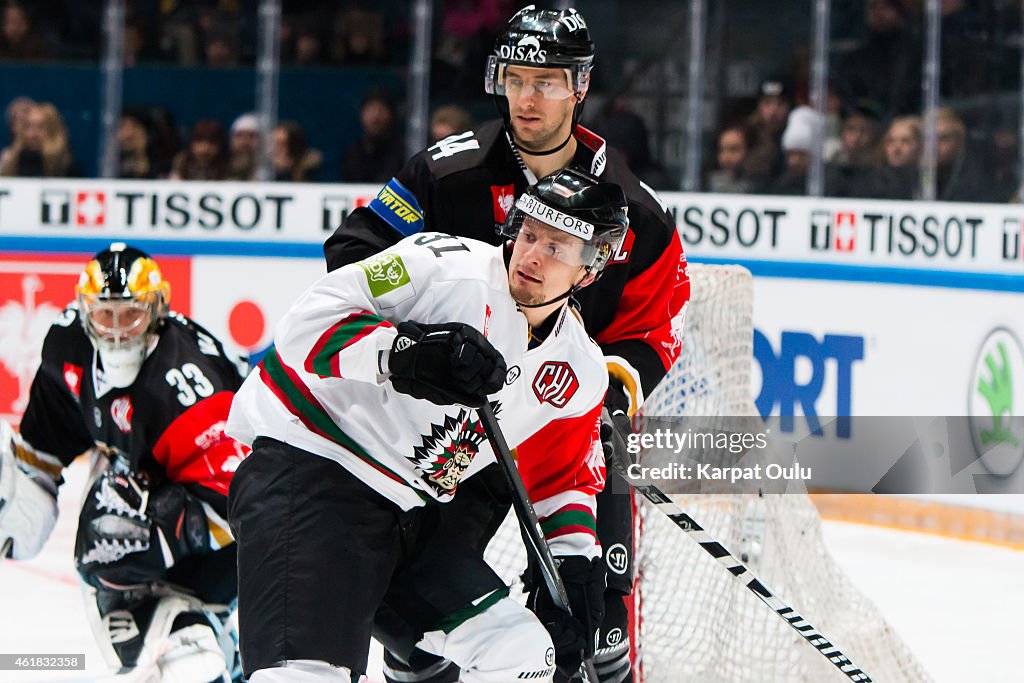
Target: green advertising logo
(997,389)
(384,273)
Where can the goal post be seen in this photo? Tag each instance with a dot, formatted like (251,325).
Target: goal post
(692,620)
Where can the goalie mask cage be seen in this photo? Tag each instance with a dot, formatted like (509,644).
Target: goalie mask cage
(692,621)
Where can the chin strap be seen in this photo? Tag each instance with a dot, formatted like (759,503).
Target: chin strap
(568,293)
(523,150)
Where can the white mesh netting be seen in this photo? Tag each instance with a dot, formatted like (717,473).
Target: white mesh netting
(695,621)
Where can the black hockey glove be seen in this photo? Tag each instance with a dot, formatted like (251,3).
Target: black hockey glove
(572,635)
(131,531)
(615,424)
(445,364)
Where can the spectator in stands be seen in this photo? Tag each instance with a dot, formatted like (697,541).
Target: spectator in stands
(898,175)
(468,30)
(293,159)
(886,68)
(133,141)
(379,153)
(958,176)
(730,175)
(448,120)
(358,37)
(245,147)
(42,150)
(19,38)
(849,171)
(1004,163)
(308,45)
(804,129)
(765,161)
(16,115)
(206,157)
(626,132)
(221,47)
(164,140)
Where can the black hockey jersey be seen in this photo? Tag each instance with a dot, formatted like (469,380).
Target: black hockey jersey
(169,422)
(465,185)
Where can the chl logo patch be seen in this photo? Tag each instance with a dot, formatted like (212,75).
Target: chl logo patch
(555,383)
(121,412)
(512,375)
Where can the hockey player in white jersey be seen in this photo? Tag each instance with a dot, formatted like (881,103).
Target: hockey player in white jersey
(362,423)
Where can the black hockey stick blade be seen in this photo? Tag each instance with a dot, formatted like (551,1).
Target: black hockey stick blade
(529,525)
(739,571)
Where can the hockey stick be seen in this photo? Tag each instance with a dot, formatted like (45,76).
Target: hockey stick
(740,571)
(529,525)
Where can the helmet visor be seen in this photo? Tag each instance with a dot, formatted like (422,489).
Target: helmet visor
(554,234)
(115,323)
(518,81)
(513,80)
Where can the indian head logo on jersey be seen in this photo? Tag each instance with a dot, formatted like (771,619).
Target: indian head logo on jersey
(445,455)
(121,412)
(555,383)
(504,197)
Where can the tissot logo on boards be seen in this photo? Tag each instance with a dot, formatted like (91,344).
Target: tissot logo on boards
(334,209)
(207,211)
(84,208)
(896,234)
(1013,239)
(722,226)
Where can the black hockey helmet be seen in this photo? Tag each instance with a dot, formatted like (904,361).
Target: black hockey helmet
(577,203)
(542,38)
(121,291)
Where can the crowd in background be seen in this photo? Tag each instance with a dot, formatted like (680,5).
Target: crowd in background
(873,131)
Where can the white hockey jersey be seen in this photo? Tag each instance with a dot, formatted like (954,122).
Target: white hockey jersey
(324,386)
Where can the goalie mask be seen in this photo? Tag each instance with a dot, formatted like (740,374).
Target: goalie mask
(122,301)
(577,204)
(542,39)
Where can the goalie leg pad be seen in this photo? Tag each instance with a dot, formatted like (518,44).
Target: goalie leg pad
(503,643)
(170,639)
(28,511)
(303,671)
(611,659)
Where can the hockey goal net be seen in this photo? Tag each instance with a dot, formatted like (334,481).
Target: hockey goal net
(692,620)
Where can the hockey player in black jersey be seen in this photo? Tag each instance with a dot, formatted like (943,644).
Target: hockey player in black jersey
(145,392)
(465,184)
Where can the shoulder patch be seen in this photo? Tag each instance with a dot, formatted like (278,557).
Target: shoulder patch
(398,207)
(384,273)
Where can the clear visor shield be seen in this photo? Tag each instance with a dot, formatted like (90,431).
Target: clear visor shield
(551,242)
(514,81)
(114,324)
